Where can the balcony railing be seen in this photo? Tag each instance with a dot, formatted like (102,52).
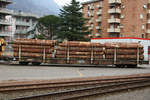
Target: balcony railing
(114,20)
(98,20)
(148,31)
(90,21)
(5,22)
(6,11)
(92,14)
(148,21)
(91,7)
(90,28)
(99,6)
(113,30)
(114,1)
(5,33)
(21,31)
(22,23)
(114,10)
(98,27)
(98,34)
(99,12)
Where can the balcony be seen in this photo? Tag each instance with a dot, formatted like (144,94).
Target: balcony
(148,21)
(98,27)
(5,22)
(91,21)
(98,34)
(114,20)
(91,7)
(98,20)
(114,1)
(114,10)
(99,12)
(92,14)
(148,31)
(5,33)
(113,30)
(148,11)
(21,23)
(20,31)
(90,28)
(6,1)
(6,11)
(99,6)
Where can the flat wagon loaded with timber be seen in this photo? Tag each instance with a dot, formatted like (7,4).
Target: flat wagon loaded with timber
(81,53)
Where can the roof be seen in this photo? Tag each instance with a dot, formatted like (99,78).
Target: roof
(120,38)
(6,1)
(90,1)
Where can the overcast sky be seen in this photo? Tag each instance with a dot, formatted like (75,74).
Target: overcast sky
(63,2)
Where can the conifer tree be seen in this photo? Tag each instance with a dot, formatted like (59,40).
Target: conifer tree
(72,23)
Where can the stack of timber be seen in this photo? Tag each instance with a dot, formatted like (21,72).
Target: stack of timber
(74,52)
(124,51)
(31,48)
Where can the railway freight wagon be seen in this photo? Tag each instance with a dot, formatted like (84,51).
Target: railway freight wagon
(73,52)
(144,42)
(33,51)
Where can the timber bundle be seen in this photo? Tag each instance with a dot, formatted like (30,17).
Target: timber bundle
(124,51)
(73,52)
(79,50)
(32,48)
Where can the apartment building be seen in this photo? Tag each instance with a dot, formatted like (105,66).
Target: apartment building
(16,24)
(24,24)
(118,18)
(5,22)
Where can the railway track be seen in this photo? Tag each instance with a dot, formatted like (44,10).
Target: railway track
(72,89)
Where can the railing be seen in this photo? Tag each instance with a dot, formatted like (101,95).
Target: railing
(23,23)
(148,31)
(98,20)
(98,34)
(5,22)
(21,31)
(4,10)
(90,28)
(5,33)
(114,20)
(91,21)
(114,1)
(99,6)
(114,10)
(148,21)
(98,27)
(116,30)
(99,12)
(91,7)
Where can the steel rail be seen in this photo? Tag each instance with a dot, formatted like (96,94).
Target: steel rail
(47,86)
(77,93)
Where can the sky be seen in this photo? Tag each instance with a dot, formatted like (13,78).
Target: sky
(63,2)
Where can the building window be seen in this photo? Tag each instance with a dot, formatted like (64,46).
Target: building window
(88,14)
(143,27)
(142,35)
(141,16)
